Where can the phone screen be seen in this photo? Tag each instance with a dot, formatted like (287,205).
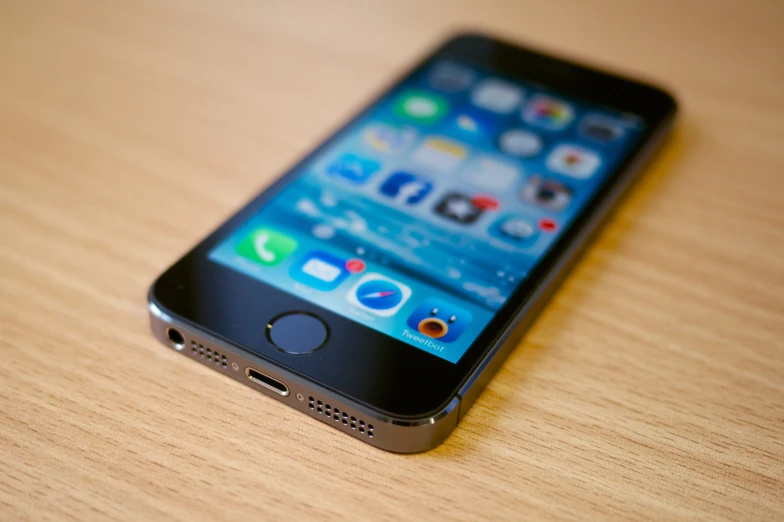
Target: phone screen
(422,216)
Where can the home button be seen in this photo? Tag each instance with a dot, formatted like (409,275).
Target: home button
(297,332)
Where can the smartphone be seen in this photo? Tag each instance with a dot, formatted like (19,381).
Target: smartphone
(380,282)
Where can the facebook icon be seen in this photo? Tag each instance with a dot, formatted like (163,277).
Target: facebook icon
(406,188)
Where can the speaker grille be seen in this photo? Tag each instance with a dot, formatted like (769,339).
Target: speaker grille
(341,418)
(208,355)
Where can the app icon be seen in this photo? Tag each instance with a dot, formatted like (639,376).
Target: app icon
(460,208)
(546,193)
(571,160)
(467,123)
(451,77)
(353,168)
(520,143)
(548,112)
(320,270)
(491,174)
(514,229)
(440,154)
(440,320)
(421,106)
(266,247)
(471,124)
(601,128)
(378,294)
(405,188)
(385,138)
(497,96)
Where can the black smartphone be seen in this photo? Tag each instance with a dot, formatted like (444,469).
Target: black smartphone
(379,283)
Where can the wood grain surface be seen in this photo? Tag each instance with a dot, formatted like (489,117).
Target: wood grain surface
(651,388)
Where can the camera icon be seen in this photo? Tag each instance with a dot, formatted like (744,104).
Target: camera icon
(440,320)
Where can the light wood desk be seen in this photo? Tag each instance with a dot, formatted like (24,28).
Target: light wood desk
(652,387)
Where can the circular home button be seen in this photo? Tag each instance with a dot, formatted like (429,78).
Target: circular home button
(297,332)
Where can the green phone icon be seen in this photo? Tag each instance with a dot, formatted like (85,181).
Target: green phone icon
(266,247)
(421,106)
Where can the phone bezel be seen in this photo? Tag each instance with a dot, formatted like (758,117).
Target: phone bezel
(364,365)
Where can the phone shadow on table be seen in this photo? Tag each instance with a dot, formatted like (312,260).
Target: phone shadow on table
(506,395)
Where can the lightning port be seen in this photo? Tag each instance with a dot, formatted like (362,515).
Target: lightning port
(265,381)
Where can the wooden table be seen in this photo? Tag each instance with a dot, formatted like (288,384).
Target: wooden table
(652,387)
